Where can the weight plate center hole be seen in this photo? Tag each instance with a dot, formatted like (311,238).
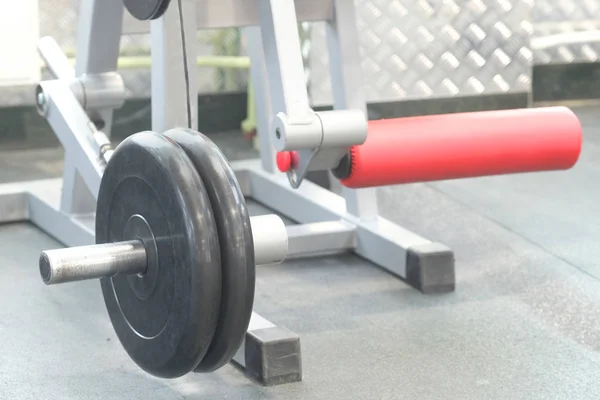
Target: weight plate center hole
(143,283)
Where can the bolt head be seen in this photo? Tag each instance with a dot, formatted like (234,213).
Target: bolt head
(41,99)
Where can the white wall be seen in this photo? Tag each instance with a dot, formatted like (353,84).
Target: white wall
(19,33)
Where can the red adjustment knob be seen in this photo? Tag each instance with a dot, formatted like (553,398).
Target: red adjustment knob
(287,160)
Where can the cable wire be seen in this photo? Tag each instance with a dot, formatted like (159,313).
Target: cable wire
(186,73)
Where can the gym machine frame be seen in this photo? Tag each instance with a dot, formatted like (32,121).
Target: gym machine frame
(79,103)
(327,223)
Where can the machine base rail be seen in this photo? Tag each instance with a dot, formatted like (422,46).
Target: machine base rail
(321,214)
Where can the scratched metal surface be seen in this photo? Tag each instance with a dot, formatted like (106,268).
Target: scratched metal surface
(566,31)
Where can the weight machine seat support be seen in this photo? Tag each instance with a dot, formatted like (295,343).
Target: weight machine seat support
(387,245)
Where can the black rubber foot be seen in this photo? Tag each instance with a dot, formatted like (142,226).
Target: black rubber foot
(430,268)
(273,356)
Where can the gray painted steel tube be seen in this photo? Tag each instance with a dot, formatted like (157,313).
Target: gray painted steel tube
(90,262)
(104,260)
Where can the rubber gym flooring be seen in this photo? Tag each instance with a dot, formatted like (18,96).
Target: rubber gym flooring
(524,322)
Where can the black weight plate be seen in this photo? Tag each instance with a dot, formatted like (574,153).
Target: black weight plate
(146,9)
(237,245)
(166,318)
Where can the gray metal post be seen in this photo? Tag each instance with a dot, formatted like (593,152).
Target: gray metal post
(97,52)
(98,47)
(75,131)
(169,97)
(347,87)
(262,100)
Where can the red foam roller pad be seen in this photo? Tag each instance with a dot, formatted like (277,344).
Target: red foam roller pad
(439,147)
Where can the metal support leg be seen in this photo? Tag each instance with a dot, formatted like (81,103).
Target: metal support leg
(75,132)
(76,197)
(428,265)
(347,87)
(269,353)
(97,52)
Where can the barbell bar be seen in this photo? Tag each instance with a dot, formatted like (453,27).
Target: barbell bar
(105,260)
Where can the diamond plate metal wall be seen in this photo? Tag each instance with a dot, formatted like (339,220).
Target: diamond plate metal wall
(566,31)
(435,48)
(410,48)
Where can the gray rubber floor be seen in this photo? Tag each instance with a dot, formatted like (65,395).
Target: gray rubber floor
(524,322)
